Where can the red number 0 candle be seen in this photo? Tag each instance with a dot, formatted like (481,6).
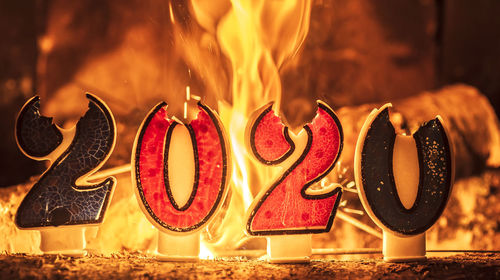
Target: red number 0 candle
(289,207)
(179,202)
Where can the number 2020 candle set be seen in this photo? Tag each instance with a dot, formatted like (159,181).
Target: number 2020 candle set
(181,174)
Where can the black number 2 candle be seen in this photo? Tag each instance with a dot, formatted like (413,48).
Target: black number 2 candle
(62,197)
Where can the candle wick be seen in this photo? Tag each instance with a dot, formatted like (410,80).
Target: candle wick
(188,97)
(185,110)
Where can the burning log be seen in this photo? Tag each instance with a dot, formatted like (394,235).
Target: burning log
(476,137)
(475,134)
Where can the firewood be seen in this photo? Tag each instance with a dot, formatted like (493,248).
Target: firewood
(468,115)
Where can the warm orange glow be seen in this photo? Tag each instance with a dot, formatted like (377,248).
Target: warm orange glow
(171,12)
(205,253)
(230,54)
(257,37)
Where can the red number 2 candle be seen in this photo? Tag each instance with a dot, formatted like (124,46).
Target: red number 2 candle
(181,174)
(289,211)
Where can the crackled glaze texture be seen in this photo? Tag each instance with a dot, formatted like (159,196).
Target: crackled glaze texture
(285,208)
(152,180)
(55,199)
(270,142)
(36,134)
(435,179)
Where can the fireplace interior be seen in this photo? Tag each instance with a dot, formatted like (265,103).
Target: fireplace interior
(426,57)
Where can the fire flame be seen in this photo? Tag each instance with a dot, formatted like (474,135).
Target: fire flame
(258,38)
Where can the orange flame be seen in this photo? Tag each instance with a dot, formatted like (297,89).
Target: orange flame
(257,37)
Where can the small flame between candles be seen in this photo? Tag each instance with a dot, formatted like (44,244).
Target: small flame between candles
(188,97)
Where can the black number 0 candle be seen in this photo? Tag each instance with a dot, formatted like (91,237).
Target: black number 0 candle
(404,181)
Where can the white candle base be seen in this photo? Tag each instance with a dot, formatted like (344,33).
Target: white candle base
(289,248)
(403,249)
(178,248)
(91,232)
(68,241)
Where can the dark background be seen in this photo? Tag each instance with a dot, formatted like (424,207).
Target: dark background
(356,52)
